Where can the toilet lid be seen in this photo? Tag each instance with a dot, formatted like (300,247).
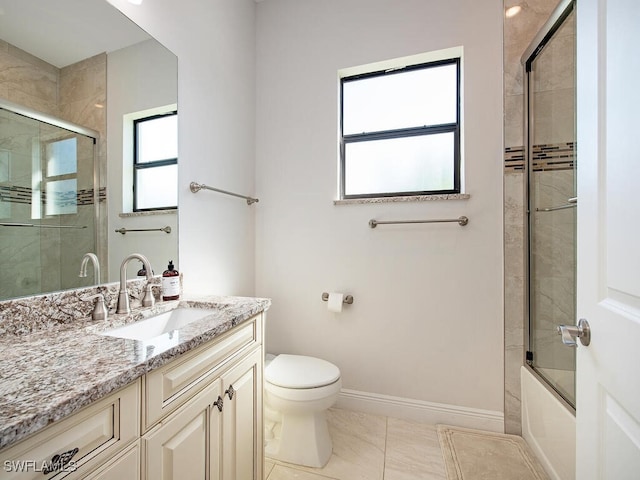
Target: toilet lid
(297,371)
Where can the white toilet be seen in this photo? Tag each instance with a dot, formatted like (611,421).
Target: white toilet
(298,391)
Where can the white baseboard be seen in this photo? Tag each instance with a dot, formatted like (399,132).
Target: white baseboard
(420,411)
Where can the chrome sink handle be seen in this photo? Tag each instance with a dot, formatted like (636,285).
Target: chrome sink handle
(570,333)
(100,310)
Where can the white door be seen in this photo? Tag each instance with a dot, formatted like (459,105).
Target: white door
(608,373)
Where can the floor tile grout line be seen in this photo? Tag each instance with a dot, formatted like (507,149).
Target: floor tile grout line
(386,439)
(386,448)
(297,468)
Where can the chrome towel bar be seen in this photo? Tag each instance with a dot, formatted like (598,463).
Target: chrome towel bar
(559,207)
(123,230)
(40,225)
(196,187)
(571,202)
(462,221)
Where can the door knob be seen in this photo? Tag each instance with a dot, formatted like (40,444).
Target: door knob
(570,333)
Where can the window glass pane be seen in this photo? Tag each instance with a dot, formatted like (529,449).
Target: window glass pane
(61,197)
(158,139)
(407,164)
(62,157)
(414,98)
(157,187)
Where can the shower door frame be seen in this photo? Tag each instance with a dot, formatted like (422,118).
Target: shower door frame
(553,23)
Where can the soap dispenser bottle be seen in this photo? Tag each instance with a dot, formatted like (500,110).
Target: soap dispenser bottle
(170,283)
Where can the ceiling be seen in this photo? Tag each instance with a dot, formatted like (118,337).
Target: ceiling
(62,32)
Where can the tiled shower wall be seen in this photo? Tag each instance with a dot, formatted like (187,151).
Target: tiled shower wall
(519,31)
(83,101)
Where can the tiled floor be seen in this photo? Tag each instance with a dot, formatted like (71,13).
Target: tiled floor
(371,447)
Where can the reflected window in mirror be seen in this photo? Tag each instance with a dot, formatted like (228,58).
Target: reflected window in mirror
(155,162)
(61,185)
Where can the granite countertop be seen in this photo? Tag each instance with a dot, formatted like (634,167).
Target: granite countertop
(47,374)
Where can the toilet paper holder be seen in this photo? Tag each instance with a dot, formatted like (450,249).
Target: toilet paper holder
(347,298)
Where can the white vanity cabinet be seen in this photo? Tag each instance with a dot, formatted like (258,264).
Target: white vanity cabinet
(218,430)
(203,411)
(197,417)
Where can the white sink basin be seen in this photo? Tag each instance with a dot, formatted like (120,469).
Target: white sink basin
(159,324)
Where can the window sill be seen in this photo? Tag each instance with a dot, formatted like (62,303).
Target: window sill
(413,198)
(173,211)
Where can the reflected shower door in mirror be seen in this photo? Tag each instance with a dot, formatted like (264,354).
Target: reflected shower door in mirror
(47,205)
(83,64)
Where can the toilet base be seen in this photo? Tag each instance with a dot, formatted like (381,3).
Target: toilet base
(301,440)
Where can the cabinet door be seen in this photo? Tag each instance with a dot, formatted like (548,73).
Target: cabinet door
(242,449)
(179,446)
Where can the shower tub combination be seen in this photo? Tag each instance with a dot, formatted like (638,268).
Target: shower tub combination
(548,379)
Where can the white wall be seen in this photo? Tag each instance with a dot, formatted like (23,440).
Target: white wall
(427,319)
(139,77)
(214,41)
(426,323)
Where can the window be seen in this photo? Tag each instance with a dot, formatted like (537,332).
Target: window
(400,131)
(155,162)
(60,183)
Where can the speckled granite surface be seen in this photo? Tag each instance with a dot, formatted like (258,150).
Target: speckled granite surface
(402,199)
(53,361)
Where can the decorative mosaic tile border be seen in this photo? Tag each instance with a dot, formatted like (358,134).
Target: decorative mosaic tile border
(514,159)
(558,156)
(16,194)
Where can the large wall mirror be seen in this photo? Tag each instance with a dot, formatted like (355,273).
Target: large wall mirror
(75,79)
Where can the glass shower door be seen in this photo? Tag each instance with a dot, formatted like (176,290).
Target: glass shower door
(20,246)
(552,207)
(47,205)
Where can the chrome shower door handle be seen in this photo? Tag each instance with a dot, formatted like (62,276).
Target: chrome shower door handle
(570,333)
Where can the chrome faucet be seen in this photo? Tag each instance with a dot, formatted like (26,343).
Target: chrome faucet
(96,267)
(123,296)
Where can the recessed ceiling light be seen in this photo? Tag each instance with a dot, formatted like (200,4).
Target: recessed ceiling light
(511,11)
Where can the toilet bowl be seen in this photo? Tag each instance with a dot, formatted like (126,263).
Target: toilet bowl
(298,391)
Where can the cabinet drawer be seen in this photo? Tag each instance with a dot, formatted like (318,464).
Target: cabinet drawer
(170,386)
(124,466)
(77,442)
